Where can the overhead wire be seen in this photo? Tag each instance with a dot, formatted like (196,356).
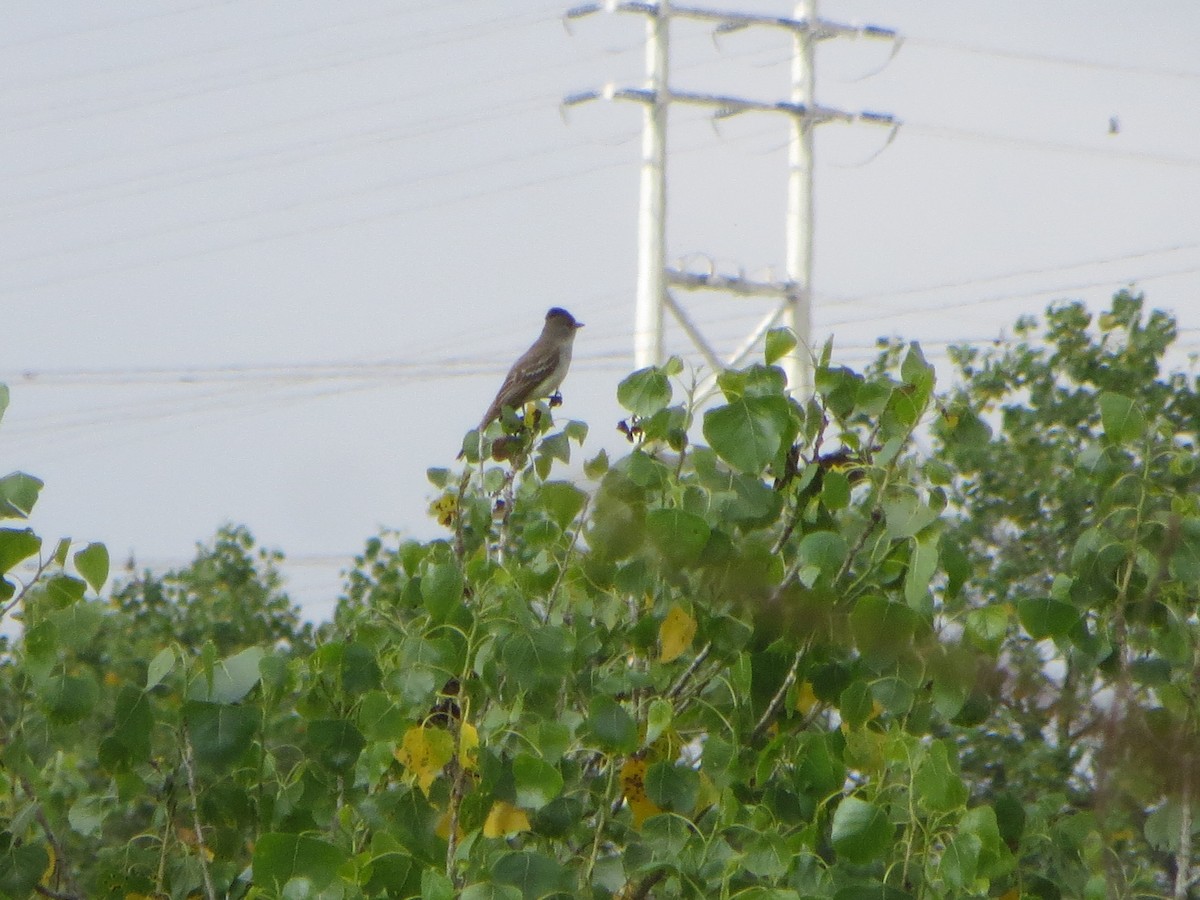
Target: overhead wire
(1051,59)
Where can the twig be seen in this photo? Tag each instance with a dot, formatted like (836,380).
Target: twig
(457,788)
(562,569)
(876,517)
(61,865)
(1183,858)
(202,850)
(773,706)
(459,540)
(643,888)
(15,601)
(53,895)
(682,680)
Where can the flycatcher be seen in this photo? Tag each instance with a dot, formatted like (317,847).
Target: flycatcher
(542,368)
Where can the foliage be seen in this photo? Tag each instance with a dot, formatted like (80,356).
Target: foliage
(773,651)
(1081,521)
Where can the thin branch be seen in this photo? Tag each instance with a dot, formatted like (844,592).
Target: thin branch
(642,890)
(777,700)
(682,680)
(202,850)
(457,789)
(61,866)
(44,891)
(562,569)
(1183,859)
(43,565)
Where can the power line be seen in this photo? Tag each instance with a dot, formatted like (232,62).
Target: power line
(1007,296)
(1014,273)
(946,132)
(1073,62)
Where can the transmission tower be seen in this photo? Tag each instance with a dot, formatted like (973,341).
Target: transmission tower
(792,297)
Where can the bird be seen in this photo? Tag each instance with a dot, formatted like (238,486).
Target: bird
(541,369)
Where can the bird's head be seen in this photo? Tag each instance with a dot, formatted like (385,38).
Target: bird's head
(559,321)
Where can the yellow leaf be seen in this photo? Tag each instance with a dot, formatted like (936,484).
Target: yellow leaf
(633,788)
(468,747)
(111,679)
(51,867)
(504,819)
(442,829)
(805,698)
(443,509)
(424,751)
(675,634)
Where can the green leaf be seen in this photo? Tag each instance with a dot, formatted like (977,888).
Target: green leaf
(882,630)
(987,625)
(77,624)
(92,563)
(160,667)
(232,678)
(87,814)
(984,822)
(489,891)
(780,342)
(133,722)
(1185,561)
(672,788)
(937,783)
(645,392)
(959,862)
(917,372)
(768,856)
(825,550)
(63,591)
(381,718)
(21,867)
(18,495)
(821,771)
(658,719)
(436,886)
(278,858)
(69,698)
(835,490)
(537,782)
(17,545)
(611,725)
(537,657)
(534,874)
(561,501)
(1122,419)
(596,467)
(335,744)
(220,734)
(906,515)
(1045,617)
(922,565)
(679,536)
(855,704)
(748,432)
(893,694)
(861,831)
(1164,827)
(442,589)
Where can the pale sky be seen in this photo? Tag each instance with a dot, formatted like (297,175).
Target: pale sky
(266,262)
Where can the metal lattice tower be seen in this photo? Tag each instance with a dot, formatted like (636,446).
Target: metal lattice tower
(792,297)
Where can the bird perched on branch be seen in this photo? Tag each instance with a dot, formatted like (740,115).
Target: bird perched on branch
(541,369)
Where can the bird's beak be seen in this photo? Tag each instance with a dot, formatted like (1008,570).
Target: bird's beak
(578,324)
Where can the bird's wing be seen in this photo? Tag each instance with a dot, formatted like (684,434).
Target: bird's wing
(526,374)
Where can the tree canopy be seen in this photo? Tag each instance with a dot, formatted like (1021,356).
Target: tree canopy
(888,641)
